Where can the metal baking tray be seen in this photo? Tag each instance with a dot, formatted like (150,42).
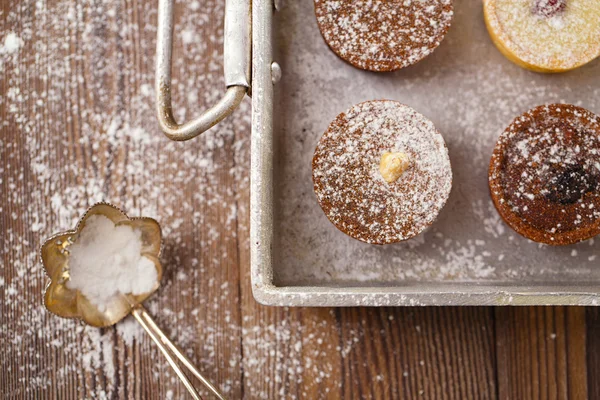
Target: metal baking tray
(469,90)
(469,256)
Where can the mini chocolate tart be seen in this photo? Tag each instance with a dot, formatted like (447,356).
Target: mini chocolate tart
(545,174)
(381,172)
(383,35)
(545,35)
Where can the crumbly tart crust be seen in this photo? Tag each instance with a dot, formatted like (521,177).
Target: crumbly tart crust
(383,35)
(545,174)
(348,183)
(560,40)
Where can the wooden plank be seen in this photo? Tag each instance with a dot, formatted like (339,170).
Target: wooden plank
(541,352)
(78,126)
(445,353)
(593,351)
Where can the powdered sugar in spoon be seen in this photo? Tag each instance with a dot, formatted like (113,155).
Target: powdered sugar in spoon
(103,270)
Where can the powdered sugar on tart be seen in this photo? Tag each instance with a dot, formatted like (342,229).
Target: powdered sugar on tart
(382,35)
(547,35)
(348,179)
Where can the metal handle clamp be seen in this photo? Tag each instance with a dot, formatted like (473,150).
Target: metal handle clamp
(237,63)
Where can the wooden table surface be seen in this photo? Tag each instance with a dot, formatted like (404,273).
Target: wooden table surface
(78,126)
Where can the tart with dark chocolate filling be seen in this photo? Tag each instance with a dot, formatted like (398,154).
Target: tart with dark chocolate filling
(545,174)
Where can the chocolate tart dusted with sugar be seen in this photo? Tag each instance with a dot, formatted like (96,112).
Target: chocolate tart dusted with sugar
(545,35)
(381,172)
(545,174)
(383,35)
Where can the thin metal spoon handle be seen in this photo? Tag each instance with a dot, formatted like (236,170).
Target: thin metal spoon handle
(162,340)
(137,313)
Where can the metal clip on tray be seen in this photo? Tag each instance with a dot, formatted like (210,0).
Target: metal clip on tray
(237,53)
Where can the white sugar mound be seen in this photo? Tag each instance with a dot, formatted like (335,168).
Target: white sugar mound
(11,43)
(106,261)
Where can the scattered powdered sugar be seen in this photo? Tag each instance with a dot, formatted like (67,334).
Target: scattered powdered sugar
(383,35)
(106,261)
(129,330)
(348,183)
(81,128)
(562,40)
(11,43)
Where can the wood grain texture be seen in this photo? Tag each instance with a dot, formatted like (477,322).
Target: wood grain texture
(78,126)
(541,353)
(593,352)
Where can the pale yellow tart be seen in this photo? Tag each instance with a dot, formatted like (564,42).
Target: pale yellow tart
(545,35)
